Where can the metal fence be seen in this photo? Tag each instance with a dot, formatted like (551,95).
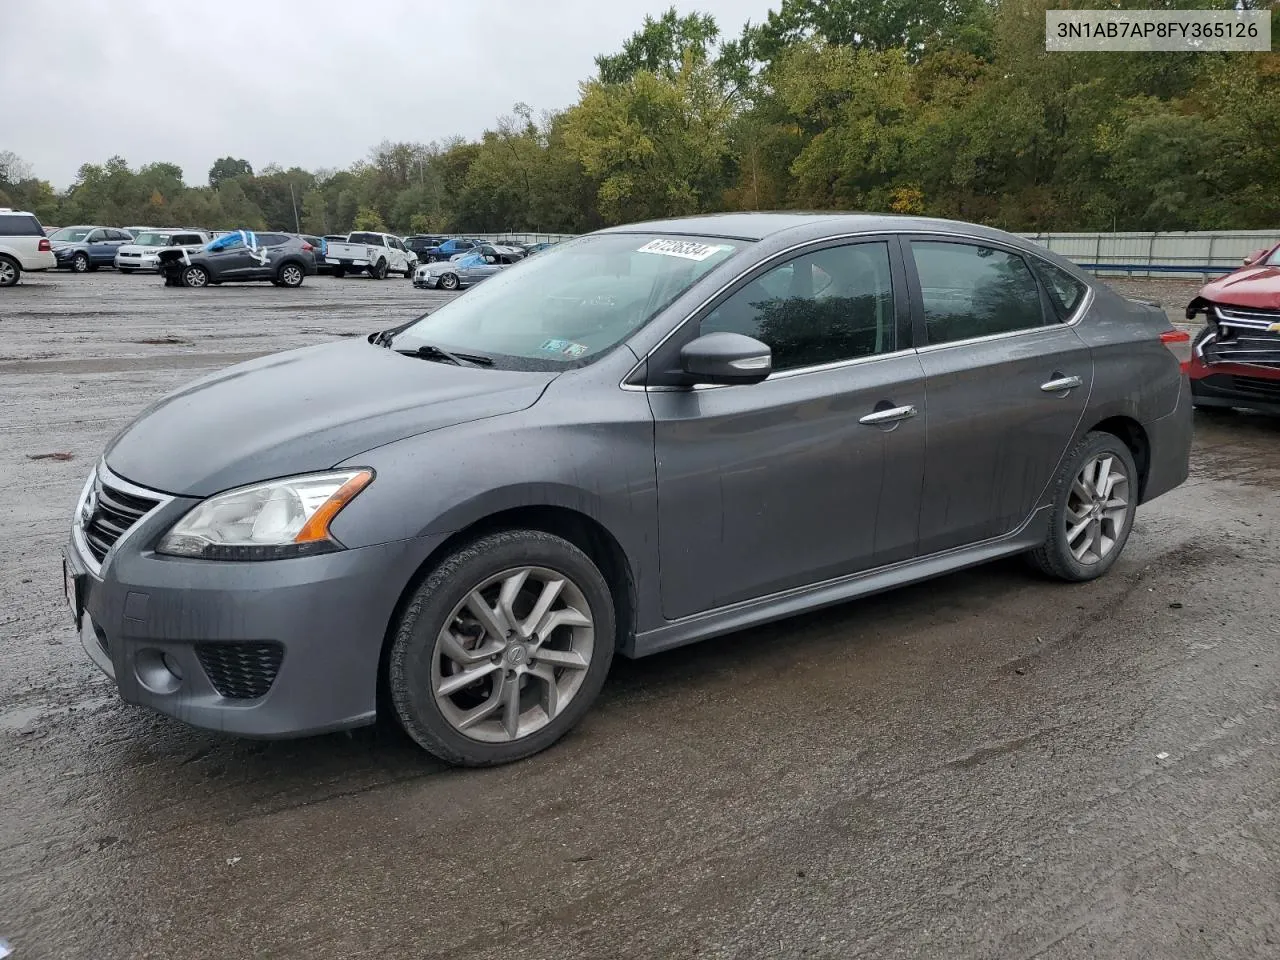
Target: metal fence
(1187,255)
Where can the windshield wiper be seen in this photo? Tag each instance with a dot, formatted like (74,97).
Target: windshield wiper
(431,352)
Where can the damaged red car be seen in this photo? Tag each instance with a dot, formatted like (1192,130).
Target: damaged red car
(1235,359)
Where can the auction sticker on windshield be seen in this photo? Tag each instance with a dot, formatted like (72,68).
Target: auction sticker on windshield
(685,249)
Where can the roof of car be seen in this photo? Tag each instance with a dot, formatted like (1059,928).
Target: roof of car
(757,226)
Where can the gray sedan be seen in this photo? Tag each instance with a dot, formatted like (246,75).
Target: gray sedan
(463,270)
(635,440)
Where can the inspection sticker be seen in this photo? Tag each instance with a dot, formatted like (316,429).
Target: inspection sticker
(568,347)
(685,249)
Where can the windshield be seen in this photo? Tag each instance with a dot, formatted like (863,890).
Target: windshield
(71,234)
(573,303)
(1274,259)
(152,240)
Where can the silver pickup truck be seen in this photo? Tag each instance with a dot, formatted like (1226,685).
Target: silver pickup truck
(376,254)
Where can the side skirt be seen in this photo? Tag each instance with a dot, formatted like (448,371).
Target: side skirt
(779,606)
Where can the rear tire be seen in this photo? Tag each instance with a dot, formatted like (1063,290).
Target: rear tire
(560,672)
(379,270)
(339,272)
(10,272)
(1089,526)
(290,275)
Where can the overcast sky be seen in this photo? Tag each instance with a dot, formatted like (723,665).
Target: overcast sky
(314,84)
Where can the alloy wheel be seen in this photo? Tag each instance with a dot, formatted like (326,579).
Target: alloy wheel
(195,277)
(80,263)
(8,273)
(1097,509)
(513,654)
(291,275)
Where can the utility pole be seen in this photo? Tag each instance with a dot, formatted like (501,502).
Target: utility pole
(297,224)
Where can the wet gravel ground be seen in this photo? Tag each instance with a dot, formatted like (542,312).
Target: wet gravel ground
(986,766)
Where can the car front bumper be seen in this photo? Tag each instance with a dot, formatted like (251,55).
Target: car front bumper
(426,283)
(1228,385)
(270,649)
(137,263)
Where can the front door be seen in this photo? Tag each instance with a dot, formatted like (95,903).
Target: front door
(1007,384)
(813,473)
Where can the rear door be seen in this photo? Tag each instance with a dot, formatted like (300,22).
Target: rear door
(1007,382)
(813,473)
(98,247)
(266,262)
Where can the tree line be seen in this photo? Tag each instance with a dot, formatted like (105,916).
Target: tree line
(950,108)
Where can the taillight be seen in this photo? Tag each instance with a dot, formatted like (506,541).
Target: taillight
(1179,344)
(306,246)
(45,246)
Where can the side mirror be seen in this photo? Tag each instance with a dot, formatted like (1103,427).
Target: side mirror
(1255,256)
(726,358)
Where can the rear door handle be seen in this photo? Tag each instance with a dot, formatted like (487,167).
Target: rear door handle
(890,415)
(1060,384)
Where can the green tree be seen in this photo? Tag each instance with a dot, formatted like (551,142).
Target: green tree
(369,219)
(228,168)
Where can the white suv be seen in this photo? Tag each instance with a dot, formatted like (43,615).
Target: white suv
(23,246)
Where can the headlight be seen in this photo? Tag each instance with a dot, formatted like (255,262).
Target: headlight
(268,521)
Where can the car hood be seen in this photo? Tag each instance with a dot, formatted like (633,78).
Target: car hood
(302,411)
(1250,287)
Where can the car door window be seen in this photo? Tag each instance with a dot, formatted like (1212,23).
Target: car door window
(969,290)
(118,235)
(820,307)
(97,236)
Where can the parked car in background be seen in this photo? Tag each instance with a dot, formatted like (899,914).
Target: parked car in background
(319,244)
(376,254)
(448,249)
(462,519)
(134,231)
(281,258)
(464,270)
(23,246)
(503,254)
(420,242)
(82,249)
(1235,359)
(538,248)
(144,252)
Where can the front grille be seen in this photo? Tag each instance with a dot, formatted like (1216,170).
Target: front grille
(114,513)
(1257,388)
(241,671)
(1244,336)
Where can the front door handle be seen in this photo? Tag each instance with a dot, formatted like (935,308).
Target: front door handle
(889,415)
(1060,384)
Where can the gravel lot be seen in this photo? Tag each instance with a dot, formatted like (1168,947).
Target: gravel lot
(988,765)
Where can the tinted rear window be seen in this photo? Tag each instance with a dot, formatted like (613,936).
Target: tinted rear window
(374,238)
(20,225)
(271,239)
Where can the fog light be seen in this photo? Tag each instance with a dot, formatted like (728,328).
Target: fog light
(157,671)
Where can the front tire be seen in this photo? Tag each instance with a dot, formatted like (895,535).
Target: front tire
(1095,498)
(502,648)
(449,281)
(195,277)
(80,263)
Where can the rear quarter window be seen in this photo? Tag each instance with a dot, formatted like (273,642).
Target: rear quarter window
(1065,291)
(272,239)
(20,225)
